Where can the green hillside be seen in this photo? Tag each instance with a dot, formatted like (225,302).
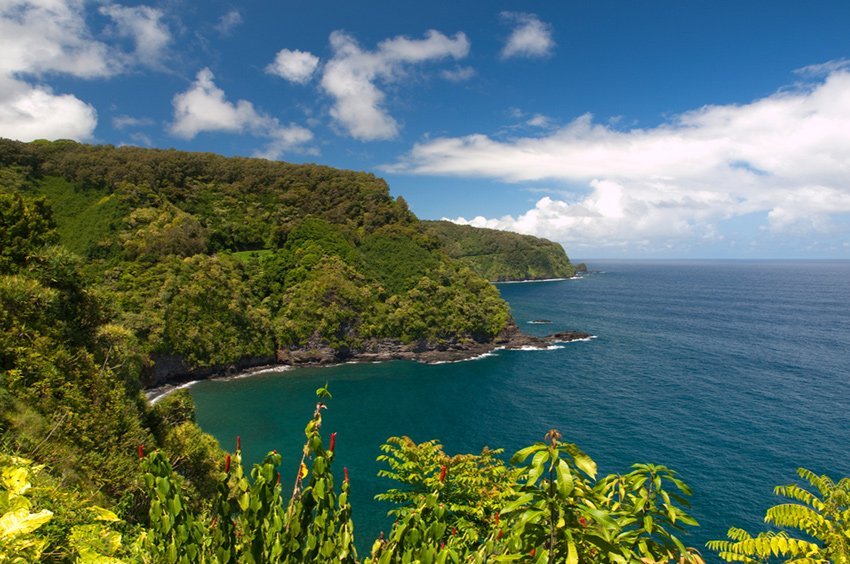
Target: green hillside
(212,260)
(501,255)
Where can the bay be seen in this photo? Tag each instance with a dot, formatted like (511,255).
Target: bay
(733,373)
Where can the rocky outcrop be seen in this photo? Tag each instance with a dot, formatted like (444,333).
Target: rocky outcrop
(168,371)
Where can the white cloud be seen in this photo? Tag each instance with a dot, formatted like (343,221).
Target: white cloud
(34,112)
(458,74)
(784,158)
(291,138)
(350,77)
(205,108)
(539,120)
(228,22)
(294,66)
(123,122)
(823,69)
(43,36)
(143,25)
(530,37)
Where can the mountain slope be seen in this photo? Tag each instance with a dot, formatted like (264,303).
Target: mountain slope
(502,255)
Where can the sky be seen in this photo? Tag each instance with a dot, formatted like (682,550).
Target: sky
(621,129)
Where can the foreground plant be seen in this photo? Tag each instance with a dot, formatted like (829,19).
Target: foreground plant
(247,521)
(549,508)
(822,516)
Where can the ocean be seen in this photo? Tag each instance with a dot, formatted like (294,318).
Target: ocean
(733,373)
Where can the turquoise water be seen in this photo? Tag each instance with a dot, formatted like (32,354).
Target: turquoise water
(733,373)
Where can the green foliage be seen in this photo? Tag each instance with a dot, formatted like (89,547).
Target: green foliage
(450,303)
(502,255)
(473,489)
(87,219)
(65,527)
(822,515)
(210,316)
(154,233)
(397,258)
(549,509)
(326,306)
(246,520)
(25,226)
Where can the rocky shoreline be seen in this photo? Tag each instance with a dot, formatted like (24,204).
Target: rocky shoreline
(170,372)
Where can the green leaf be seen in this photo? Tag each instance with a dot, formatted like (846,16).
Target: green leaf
(564,479)
(522,454)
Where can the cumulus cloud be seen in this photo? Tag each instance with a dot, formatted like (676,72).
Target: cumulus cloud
(294,66)
(205,108)
(50,36)
(42,38)
(350,77)
(530,37)
(784,158)
(34,112)
(143,26)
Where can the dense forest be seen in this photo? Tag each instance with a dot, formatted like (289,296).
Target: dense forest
(501,255)
(115,259)
(209,261)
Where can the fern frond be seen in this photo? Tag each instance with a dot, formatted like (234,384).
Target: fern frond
(824,483)
(796,516)
(803,495)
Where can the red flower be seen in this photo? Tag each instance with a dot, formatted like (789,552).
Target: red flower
(278,478)
(499,534)
(497,517)
(238,443)
(532,552)
(333,442)
(227,464)
(582,521)
(454,531)
(442,474)
(345,472)
(141,451)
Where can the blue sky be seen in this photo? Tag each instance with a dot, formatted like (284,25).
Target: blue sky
(620,129)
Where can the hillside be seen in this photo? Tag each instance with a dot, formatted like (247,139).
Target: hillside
(211,261)
(501,255)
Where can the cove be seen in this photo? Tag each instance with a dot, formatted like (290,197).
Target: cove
(733,373)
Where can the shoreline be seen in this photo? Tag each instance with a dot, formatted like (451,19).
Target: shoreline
(512,339)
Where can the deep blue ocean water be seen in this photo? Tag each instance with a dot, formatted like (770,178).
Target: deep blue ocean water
(733,373)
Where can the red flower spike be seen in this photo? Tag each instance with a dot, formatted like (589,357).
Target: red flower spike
(454,531)
(238,443)
(533,550)
(499,534)
(345,472)
(333,442)
(442,474)
(582,521)
(442,545)
(214,521)
(141,451)
(497,519)
(227,464)
(278,478)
